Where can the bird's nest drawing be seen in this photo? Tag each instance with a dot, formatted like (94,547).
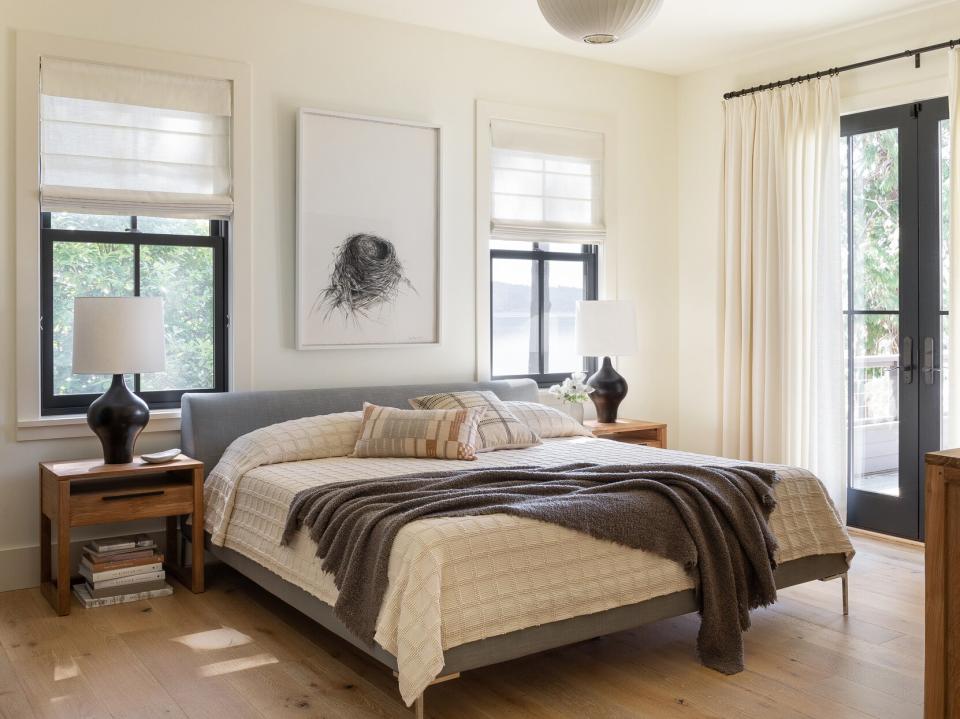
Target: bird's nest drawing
(366,275)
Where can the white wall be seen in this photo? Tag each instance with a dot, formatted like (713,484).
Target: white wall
(302,56)
(700,132)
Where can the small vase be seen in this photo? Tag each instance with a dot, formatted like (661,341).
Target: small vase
(574,409)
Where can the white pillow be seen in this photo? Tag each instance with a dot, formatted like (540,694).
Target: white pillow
(547,421)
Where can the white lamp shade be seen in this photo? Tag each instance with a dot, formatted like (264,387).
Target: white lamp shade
(117,335)
(598,21)
(606,328)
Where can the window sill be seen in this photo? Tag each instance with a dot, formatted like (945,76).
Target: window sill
(75,425)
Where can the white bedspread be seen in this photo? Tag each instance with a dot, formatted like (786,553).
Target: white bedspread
(457,580)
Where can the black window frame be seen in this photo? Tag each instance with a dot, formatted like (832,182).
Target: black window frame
(589,257)
(217,240)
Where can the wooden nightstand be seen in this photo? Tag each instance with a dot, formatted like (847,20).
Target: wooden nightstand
(84,492)
(633,431)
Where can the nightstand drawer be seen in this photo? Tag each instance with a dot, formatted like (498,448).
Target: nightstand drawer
(631,431)
(134,501)
(644,442)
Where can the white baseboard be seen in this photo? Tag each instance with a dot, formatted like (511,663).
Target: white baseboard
(20,566)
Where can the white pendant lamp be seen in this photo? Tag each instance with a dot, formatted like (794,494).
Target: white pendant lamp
(598,22)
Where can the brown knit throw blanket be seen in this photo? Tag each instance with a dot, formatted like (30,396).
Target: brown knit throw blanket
(710,520)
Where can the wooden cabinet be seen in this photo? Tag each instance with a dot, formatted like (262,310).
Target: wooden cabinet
(634,431)
(942,524)
(84,492)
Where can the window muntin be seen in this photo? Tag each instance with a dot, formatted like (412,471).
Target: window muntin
(187,270)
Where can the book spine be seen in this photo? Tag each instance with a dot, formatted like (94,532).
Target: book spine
(131,579)
(112,546)
(89,602)
(144,562)
(138,588)
(103,575)
(117,557)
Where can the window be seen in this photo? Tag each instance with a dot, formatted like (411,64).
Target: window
(135,199)
(546,231)
(183,261)
(534,291)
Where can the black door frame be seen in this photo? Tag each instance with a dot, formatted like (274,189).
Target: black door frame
(919,313)
(929,115)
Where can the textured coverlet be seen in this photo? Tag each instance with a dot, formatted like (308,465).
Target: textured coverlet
(712,521)
(461,579)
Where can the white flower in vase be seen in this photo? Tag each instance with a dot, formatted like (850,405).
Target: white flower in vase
(572,393)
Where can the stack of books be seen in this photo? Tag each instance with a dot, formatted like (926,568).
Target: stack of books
(120,570)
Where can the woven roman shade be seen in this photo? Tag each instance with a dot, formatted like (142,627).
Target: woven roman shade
(119,140)
(547,183)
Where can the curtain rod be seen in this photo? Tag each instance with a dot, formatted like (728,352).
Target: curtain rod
(844,68)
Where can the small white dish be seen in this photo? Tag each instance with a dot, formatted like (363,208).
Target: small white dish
(161,457)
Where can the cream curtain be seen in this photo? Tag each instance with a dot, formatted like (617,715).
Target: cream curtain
(953,388)
(783,390)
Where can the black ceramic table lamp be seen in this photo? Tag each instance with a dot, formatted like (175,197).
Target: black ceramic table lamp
(606,328)
(118,335)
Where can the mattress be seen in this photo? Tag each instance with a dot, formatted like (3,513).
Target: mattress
(458,580)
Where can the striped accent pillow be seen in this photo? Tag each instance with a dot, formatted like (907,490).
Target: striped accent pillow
(498,428)
(441,434)
(547,421)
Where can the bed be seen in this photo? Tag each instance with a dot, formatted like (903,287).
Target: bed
(470,592)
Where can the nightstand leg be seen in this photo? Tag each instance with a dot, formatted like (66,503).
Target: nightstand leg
(63,550)
(173,557)
(197,532)
(46,542)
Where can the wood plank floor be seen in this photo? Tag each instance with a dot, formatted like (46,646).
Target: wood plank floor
(236,652)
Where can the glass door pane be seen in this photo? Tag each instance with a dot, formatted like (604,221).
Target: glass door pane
(876,404)
(872,213)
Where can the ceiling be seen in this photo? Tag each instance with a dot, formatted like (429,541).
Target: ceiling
(687,35)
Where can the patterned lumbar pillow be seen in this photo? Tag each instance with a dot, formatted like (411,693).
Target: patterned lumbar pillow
(442,434)
(499,428)
(547,421)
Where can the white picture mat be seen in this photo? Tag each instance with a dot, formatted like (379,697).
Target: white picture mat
(377,176)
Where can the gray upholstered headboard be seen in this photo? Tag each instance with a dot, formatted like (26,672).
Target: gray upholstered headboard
(211,421)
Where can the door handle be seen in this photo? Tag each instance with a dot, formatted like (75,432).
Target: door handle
(906,359)
(928,366)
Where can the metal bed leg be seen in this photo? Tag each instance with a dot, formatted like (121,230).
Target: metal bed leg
(418,710)
(844,589)
(844,584)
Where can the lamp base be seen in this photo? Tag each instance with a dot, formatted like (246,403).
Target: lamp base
(118,417)
(609,389)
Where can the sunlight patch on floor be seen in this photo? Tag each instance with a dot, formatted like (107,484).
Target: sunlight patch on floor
(66,670)
(236,665)
(222,638)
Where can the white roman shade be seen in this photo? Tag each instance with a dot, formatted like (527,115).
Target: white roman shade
(547,183)
(125,141)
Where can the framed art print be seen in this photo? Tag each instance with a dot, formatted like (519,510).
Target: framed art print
(368,232)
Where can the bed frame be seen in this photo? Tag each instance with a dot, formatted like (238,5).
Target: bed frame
(211,421)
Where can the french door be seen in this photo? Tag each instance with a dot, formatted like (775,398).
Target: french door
(895,179)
